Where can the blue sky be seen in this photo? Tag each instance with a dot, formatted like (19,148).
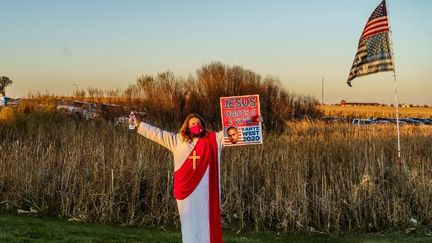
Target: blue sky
(50,45)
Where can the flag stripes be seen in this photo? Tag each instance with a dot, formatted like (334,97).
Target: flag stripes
(374,52)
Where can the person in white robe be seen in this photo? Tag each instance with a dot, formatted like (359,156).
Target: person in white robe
(194,209)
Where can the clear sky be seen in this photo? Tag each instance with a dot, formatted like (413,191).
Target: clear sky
(49,45)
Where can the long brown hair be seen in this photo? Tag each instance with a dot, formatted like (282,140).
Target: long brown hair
(184,129)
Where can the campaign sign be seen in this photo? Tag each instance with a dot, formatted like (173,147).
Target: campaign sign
(241,120)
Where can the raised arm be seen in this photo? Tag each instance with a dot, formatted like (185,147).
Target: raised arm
(164,138)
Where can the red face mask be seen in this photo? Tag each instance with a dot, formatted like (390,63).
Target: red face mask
(196,129)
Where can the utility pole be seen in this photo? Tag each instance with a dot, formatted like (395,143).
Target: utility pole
(322,91)
(76,88)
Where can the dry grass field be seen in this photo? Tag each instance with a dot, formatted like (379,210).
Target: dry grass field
(313,177)
(375,111)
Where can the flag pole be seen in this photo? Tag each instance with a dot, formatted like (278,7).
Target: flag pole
(397,117)
(395,89)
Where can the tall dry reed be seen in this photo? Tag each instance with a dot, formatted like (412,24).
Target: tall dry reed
(313,177)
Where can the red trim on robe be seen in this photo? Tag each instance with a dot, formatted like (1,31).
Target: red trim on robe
(186,179)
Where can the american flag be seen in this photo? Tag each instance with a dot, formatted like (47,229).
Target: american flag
(374,52)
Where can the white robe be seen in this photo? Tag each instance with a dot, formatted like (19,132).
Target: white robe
(193,210)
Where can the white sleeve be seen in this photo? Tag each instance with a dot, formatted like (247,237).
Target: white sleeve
(164,138)
(220,139)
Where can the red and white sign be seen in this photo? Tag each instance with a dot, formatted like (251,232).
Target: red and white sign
(241,120)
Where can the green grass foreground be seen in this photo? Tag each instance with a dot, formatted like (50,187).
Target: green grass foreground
(31,229)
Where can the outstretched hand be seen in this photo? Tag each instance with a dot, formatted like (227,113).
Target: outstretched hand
(133,119)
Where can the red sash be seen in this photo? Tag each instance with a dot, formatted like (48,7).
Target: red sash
(186,179)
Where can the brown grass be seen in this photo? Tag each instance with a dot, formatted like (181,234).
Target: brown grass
(375,111)
(313,177)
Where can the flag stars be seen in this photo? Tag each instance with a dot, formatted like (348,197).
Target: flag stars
(373,54)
